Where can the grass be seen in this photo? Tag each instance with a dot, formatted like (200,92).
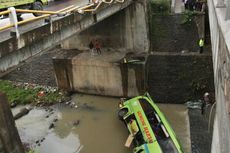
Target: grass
(28,95)
(160,6)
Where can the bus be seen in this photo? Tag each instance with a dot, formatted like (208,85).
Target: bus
(149,129)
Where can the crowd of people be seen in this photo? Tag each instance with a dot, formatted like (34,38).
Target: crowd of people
(192,5)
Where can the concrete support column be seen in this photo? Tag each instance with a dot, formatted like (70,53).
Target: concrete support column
(125,30)
(136,27)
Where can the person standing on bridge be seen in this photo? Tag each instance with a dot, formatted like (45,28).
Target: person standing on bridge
(201,45)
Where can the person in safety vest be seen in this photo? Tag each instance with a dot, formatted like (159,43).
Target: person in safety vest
(201,45)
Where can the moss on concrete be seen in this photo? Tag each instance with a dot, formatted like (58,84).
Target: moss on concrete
(160,6)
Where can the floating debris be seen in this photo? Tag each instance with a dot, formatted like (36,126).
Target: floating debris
(194,104)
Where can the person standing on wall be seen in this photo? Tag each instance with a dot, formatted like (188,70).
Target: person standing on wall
(91,46)
(201,45)
(98,47)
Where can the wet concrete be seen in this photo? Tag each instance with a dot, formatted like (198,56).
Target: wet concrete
(91,126)
(201,138)
(177,116)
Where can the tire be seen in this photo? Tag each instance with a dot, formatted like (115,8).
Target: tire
(37,6)
(122,113)
(19,17)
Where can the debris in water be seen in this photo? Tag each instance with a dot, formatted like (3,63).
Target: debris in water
(51,126)
(76,123)
(22,113)
(68,102)
(194,104)
(12,105)
(75,106)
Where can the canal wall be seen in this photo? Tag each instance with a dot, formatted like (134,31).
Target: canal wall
(179,77)
(111,74)
(123,31)
(176,32)
(220,38)
(176,71)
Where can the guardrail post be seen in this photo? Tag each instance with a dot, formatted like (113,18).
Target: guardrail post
(228,10)
(220,4)
(14,21)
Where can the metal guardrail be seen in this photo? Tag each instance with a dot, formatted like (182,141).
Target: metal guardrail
(14,23)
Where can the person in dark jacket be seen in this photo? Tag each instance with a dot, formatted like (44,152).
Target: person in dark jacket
(91,46)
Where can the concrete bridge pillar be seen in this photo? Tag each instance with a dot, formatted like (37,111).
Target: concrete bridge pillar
(125,30)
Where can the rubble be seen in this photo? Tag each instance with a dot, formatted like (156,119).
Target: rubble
(39,95)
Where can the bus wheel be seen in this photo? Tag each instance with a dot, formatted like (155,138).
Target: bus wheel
(121,113)
(37,6)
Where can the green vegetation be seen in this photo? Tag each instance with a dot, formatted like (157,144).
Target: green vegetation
(31,151)
(160,6)
(188,16)
(25,93)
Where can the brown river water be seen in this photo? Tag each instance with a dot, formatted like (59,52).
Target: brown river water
(92,127)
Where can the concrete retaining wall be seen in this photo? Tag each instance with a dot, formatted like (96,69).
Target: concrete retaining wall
(105,74)
(220,38)
(177,78)
(169,34)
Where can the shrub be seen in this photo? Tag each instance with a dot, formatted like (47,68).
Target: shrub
(160,6)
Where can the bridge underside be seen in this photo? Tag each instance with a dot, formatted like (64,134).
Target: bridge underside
(124,39)
(13,50)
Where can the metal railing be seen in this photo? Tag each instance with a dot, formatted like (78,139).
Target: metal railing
(13,13)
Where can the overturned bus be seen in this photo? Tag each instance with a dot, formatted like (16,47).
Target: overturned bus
(149,130)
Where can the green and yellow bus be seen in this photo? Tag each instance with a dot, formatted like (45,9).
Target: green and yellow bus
(148,127)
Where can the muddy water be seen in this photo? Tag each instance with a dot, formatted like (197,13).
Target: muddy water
(92,127)
(96,125)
